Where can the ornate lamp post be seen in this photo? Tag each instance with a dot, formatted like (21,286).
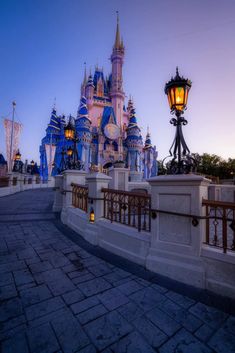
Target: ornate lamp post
(18,164)
(32,164)
(177,92)
(70,135)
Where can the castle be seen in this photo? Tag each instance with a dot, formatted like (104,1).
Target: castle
(107,131)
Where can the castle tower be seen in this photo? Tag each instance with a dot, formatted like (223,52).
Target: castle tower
(117,94)
(134,144)
(48,143)
(149,158)
(83,128)
(83,85)
(89,91)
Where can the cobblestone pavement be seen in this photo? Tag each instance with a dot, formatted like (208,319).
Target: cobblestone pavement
(58,297)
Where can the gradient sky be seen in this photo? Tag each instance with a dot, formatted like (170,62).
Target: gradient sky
(44,44)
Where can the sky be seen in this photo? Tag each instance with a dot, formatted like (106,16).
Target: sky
(44,44)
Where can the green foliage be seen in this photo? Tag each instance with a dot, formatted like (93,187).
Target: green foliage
(211,164)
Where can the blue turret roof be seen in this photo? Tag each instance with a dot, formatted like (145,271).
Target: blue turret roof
(83,122)
(62,120)
(134,137)
(148,142)
(2,160)
(90,81)
(54,121)
(133,120)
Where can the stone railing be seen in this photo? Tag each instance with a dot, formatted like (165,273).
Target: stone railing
(173,243)
(16,182)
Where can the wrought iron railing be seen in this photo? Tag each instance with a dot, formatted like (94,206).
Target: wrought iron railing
(220,224)
(4,182)
(80,196)
(128,208)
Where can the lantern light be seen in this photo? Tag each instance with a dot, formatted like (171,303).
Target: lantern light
(177,92)
(69,152)
(69,131)
(17,156)
(92,215)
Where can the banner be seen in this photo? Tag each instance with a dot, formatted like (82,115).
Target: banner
(12,133)
(50,154)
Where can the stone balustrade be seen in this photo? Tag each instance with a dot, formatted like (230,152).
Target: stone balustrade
(20,182)
(175,246)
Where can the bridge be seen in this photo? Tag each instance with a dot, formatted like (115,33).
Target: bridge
(61,294)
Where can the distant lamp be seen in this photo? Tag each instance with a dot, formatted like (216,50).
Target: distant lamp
(92,215)
(69,152)
(69,131)
(17,156)
(177,93)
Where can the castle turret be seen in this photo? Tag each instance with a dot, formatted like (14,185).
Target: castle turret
(83,128)
(149,158)
(117,93)
(89,91)
(83,85)
(48,144)
(134,145)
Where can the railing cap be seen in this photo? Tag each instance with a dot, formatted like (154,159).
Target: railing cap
(127,193)
(98,176)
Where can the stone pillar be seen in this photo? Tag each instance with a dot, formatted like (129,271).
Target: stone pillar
(176,242)
(34,182)
(51,182)
(136,176)
(95,182)
(21,181)
(58,196)
(69,177)
(120,178)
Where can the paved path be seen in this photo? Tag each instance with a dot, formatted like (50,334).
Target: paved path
(58,297)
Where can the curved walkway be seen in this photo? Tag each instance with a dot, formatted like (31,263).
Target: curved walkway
(57,296)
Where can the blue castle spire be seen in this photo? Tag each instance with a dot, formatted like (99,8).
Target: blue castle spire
(83,129)
(134,144)
(54,124)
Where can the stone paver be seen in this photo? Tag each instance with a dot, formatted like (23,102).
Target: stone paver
(56,297)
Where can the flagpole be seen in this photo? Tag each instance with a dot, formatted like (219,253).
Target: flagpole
(12,134)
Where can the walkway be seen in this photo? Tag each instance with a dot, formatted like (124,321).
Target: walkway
(58,297)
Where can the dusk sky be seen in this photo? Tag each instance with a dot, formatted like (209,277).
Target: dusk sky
(44,44)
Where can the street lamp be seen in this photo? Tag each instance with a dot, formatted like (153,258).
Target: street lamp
(18,156)
(177,92)
(32,164)
(18,164)
(70,135)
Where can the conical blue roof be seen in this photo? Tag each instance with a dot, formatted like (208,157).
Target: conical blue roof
(2,160)
(83,122)
(148,142)
(62,120)
(133,120)
(90,81)
(54,121)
